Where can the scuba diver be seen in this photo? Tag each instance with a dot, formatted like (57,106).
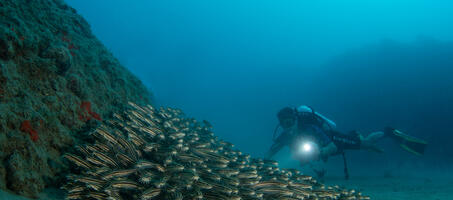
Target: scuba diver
(311,136)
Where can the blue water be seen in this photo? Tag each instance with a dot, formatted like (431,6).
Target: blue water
(235,63)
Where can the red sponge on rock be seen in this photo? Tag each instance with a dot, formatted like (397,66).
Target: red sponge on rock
(27,128)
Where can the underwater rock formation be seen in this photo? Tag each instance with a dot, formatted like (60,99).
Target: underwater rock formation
(147,153)
(56,81)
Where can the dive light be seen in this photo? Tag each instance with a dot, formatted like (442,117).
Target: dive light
(307,149)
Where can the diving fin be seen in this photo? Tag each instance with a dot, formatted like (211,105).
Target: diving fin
(408,143)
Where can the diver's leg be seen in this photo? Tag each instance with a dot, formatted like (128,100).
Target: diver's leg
(369,141)
(373,137)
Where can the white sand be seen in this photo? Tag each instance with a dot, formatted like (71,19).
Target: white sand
(399,188)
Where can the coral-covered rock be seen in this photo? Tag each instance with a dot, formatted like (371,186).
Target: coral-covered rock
(6,43)
(50,63)
(61,57)
(21,178)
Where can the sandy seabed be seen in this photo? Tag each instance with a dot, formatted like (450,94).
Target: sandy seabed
(399,188)
(378,188)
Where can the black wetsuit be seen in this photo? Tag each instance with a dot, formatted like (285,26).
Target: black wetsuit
(309,121)
(308,124)
(345,141)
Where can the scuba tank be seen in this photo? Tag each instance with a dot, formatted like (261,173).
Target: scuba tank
(304,116)
(313,117)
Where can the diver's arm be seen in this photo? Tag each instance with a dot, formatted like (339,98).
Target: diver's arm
(282,140)
(275,148)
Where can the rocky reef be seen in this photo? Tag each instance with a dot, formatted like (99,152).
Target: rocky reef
(148,153)
(56,82)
